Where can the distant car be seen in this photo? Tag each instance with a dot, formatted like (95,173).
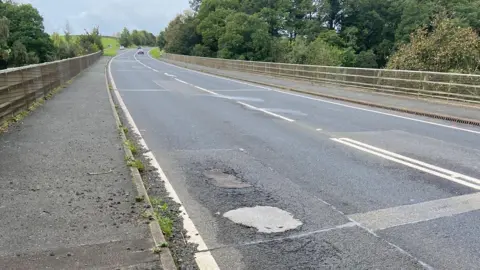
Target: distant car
(122,47)
(140,51)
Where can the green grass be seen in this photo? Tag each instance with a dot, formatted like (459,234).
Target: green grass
(163,216)
(131,146)
(136,164)
(156,53)
(114,46)
(106,41)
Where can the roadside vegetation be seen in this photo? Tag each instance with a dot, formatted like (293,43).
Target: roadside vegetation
(438,35)
(23,39)
(110,46)
(136,38)
(156,53)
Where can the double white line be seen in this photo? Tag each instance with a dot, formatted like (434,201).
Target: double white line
(413,163)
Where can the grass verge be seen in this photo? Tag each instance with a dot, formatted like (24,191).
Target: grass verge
(110,46)
(156,53)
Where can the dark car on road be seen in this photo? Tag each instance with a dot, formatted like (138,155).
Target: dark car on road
(140,51)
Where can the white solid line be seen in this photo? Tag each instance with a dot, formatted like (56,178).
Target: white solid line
(265,111)
(206,260)
(433,167)
(319,129)
(330,102)
(420,212)
(411,165)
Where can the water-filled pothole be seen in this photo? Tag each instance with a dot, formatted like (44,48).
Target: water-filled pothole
(265,219)
(225,180)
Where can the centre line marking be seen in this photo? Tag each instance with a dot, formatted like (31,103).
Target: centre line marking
(413,163)
(324,100)
(265,111)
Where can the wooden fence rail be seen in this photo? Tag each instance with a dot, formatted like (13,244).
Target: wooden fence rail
(21,87)
(446,86)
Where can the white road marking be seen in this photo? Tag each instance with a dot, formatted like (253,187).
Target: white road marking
(319,129)
(143,90)
(205,90)
(415,213)
(243,90)
(327,101)
(204,260)
(178,80)
(413,163)
(157,83)
(265,111)
(169,75)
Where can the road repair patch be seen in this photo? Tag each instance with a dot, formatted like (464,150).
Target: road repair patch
(225,180)
(265,219)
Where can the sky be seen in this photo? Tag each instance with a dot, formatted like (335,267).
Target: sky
(110,15)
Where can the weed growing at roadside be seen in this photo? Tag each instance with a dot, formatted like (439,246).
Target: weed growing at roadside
(139,199)
(124,129)
(163,216)
(156,250)
(131,146)
(164,244)
(136,164)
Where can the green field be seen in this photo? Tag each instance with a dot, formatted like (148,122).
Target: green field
(156,53)
(114,46)
(106,41)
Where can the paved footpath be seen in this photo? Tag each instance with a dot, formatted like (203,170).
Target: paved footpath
(56,210)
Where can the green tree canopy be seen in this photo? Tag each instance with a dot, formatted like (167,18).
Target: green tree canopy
(361,33)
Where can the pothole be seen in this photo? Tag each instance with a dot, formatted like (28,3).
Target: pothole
(225,180)
(265,219)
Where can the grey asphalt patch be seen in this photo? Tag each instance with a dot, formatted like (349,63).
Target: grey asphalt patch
(55,199)
(289,167)
(265,219)
(225,179)
(334,249)
(446,243)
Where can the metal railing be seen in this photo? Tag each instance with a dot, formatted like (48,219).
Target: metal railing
(21,87)
(446,86)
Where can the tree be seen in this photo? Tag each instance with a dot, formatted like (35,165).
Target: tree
(361,33)
(245,37)
(322,53)
(26,27)
(195,4)
(180,35)
(125,38)
(161,40)
(446,48)
(19,54)
(4,50)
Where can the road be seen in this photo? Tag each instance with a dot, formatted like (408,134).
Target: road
(361,188)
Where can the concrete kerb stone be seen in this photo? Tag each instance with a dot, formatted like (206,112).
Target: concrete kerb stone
(370,104)
(166,257)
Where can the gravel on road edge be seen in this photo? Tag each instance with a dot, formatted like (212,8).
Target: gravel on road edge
(150,187)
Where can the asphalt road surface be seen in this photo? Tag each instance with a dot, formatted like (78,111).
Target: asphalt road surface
(363,188)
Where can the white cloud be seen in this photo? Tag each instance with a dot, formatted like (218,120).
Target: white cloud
(110,15)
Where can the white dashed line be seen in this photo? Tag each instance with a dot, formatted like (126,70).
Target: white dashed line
(265,111)
(204,259)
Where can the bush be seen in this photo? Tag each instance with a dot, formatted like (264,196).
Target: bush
(322,53)
(448,47)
